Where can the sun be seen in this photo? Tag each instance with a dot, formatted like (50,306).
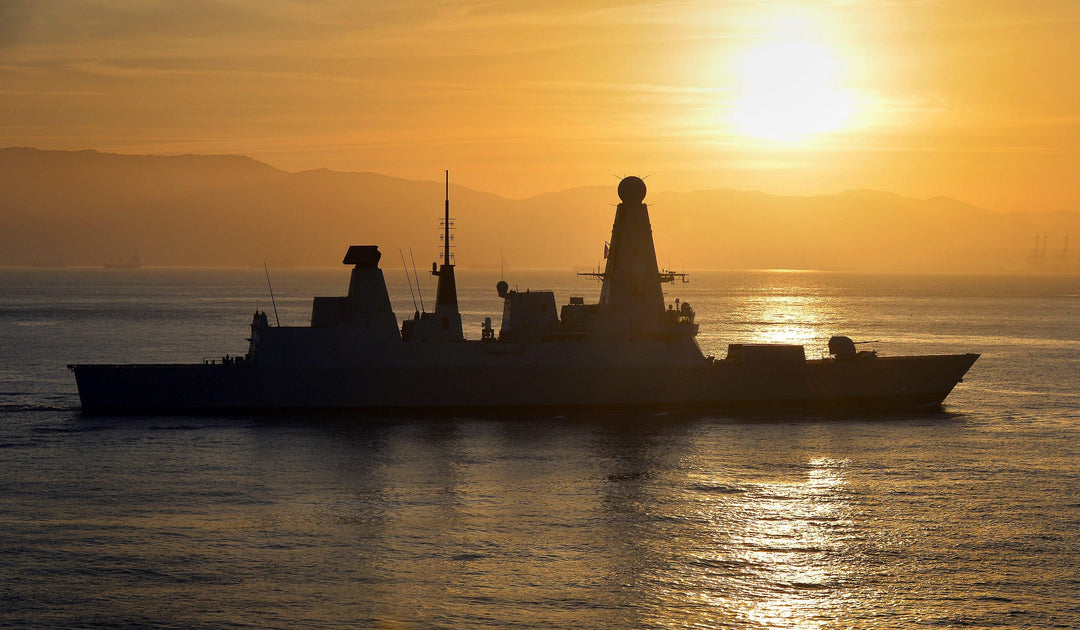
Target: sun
(787,90)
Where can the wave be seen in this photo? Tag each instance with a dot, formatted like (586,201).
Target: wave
(1027,392)
(38,408)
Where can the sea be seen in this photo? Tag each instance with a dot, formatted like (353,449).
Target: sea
(963,517)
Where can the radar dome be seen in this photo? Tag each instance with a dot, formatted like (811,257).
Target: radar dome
(632,189)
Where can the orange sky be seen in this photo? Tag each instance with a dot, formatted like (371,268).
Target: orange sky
(976,99)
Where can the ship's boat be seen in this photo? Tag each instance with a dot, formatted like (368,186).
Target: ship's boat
(627,351)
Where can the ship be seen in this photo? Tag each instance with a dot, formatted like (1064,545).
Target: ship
(131,262)
(629,351)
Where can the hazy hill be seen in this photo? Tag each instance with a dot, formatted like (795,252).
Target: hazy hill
(85,207)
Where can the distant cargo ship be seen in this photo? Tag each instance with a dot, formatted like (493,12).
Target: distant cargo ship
(630,351)
(131,262)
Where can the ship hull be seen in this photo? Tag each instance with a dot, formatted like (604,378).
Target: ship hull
(877,384)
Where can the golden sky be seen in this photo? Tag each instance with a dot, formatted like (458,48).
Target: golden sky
(975,99)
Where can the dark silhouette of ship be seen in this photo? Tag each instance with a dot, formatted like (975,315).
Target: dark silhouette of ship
(627,351)
(131,262)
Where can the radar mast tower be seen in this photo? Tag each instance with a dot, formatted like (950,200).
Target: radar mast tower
(446,304)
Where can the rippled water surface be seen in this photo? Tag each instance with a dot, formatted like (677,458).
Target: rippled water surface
(967,517)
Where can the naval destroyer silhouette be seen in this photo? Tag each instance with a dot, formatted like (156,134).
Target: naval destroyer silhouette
(627,351)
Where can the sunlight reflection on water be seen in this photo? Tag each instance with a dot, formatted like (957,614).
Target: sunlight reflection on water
(777,318)
(771,547)
(794,535)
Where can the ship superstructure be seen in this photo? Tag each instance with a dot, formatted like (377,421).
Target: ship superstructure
(629,350)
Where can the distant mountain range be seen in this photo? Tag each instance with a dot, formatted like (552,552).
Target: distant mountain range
(86,207)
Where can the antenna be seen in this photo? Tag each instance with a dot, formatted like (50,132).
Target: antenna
(418,291)
(407,277)
(446,224)
(272,300)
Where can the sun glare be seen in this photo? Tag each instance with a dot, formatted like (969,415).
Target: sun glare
(787,90)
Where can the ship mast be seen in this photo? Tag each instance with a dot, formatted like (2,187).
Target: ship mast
(446,224)
(446,305)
